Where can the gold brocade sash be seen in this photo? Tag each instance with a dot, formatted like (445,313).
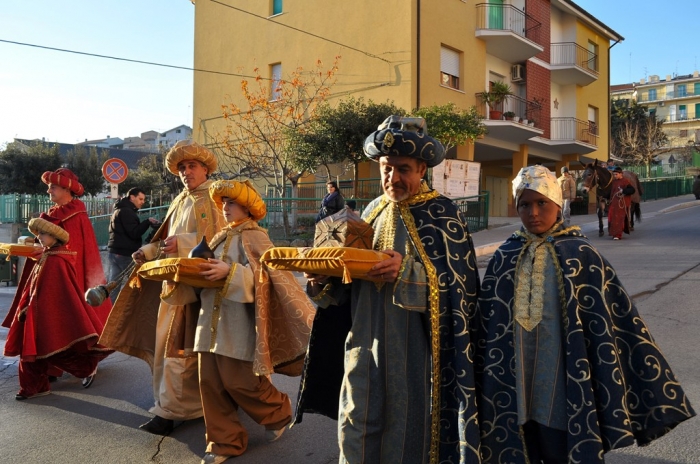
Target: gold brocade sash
(529,277)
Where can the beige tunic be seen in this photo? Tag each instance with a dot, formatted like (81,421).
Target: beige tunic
(228,328)
(132,326)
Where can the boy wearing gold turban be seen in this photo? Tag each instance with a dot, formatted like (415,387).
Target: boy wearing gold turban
(257,323)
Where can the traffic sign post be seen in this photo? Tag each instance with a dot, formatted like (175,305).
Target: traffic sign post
(115,172)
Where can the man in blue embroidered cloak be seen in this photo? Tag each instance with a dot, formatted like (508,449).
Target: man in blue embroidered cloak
(565,367)
(407,388)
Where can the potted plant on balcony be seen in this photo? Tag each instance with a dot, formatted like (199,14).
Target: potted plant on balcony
(509,115)
(495,98)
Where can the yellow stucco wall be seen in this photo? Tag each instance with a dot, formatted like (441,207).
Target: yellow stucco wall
(596,94)
(379,60)
(376,59)
(379,57)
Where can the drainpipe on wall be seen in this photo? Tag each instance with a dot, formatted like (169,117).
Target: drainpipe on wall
(609,105)
(418,55)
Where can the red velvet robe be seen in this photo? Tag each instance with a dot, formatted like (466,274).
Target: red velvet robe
(56,316)
(619,210)
(88,265)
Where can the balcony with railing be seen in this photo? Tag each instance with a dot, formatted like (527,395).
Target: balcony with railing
(570,135)
(510,34)
(661,94)
(573,64)
(514,120)
(681,116)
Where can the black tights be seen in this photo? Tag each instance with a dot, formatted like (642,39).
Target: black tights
(545,444)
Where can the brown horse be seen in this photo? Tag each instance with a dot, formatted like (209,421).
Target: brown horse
(601,177)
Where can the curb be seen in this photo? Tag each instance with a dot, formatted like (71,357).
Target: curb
(680,206)
(489,249)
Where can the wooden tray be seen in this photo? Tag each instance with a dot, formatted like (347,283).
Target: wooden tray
(13,249)
(183,270)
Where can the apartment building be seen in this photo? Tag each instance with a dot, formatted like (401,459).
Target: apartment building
(166,140)
(552,54)
(673,99)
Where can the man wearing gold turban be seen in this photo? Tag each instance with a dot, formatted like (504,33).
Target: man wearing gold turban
(565,366)
(167,344)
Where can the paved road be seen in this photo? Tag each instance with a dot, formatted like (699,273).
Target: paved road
(659,265)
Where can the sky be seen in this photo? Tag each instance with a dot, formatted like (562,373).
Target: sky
(658,36)
(65,97)
(68,98)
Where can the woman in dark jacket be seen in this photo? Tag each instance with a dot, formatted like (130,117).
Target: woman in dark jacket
(332,202)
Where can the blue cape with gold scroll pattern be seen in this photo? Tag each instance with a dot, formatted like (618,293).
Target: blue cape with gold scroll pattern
(441,237)
(619,387)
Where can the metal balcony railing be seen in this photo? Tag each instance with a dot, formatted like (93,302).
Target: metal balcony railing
(572,54)
(521,108)
(682,116)
(507,18)
(572,129)
(661,94)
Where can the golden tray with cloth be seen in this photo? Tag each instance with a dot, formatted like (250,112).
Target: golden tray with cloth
(346,262)
(14,249)
(183,270)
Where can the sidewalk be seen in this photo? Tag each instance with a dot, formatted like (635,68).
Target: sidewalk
(500,228)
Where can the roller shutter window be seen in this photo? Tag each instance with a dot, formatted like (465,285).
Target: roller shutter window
(449,67)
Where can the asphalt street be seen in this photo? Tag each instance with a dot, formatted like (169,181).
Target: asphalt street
(659,264)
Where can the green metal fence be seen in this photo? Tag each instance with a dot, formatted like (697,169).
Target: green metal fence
(476,210)
(101,223)
(366,188)
(20,208)
(301,214)
(677,169)
(665,187)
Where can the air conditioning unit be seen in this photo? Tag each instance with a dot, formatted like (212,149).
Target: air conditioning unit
(662,103)
(517,73)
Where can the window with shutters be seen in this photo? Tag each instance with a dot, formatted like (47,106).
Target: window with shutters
(450,67)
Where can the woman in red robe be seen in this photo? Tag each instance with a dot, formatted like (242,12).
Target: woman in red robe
(52,325)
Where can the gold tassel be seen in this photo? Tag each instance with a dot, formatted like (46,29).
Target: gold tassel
(346,275)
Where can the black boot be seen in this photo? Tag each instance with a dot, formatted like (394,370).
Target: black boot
(158,426)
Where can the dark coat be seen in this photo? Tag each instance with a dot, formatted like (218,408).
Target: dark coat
(620,388)
(444,245)
(126,229)
(331,204)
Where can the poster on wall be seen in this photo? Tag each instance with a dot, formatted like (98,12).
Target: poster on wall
(457,178)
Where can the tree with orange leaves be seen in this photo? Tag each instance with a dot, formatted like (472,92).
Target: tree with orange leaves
(254,142)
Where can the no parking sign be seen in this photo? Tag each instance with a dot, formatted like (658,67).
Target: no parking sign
(115,171)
